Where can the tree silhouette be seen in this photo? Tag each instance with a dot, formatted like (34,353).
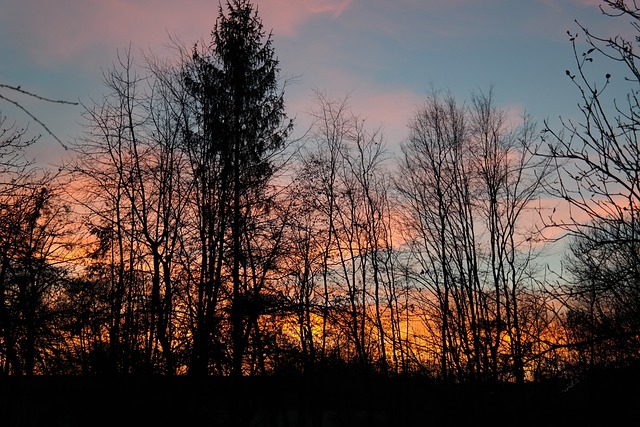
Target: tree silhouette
(465,182)
(604,313)
(239,107)
(597,160)
(199,248)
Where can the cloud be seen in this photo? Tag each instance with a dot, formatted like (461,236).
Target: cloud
(60,30)
(286,17)
(387,109)
(588,2)
(54,31)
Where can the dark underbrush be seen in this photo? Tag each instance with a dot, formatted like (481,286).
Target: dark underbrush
(603,398)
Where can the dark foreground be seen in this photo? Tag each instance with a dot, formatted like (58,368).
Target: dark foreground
(608,398)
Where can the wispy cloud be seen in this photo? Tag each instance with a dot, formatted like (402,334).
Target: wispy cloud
(386,109)
(589,2)
(287,16)
(58,30)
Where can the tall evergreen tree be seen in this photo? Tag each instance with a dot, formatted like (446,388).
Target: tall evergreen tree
(242,124)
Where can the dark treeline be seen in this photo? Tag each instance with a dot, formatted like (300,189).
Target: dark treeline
(191,234)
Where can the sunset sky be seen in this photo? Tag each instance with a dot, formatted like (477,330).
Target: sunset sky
(386,54)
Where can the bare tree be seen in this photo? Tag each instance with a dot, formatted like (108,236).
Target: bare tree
(344,178)
(467,183)
(511,177)
(129,167)
(597,162)
(426,186)
(319,176)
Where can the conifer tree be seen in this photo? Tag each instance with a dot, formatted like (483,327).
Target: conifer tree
(242,124)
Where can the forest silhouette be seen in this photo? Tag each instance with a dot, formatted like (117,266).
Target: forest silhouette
(193,262)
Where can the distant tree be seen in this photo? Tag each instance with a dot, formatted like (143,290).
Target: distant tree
(511,179)
(32,227)
(26,239)
(105,186)
(604,314)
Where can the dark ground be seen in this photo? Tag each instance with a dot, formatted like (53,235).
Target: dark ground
(609,398)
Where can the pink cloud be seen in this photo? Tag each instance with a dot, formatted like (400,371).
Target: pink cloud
(59,30)
(560,4)
(588,2)
(386,108)
(56,31)
(286,16)
(513,115)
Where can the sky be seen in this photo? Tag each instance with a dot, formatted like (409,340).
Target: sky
(385,55)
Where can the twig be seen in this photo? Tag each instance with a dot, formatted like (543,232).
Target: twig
(18,89)
(27,112)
